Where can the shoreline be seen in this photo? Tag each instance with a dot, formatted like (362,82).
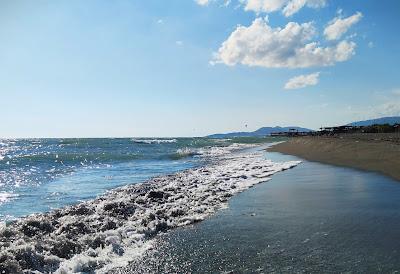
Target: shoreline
(309,219)
(376,153)
(108,232)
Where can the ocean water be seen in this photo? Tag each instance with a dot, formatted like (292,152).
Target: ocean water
(148,187)
(37,175)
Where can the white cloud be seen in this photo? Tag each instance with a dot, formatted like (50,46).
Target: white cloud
(293,6)
(264,5)
(206,2)
(202,2)
(303,81)
(288,47)
(226,3)
(338,26)
(179,43)
(288,7)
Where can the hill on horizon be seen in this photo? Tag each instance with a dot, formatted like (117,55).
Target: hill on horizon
(379,121)
(264,131)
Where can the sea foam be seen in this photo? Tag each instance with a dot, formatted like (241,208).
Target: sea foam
(6,196)
(154,141)
(112,230)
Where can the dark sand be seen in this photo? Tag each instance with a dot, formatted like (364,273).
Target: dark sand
(378,153)
(314,218)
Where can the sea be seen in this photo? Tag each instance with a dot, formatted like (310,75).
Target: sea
(38,175)
(94,205)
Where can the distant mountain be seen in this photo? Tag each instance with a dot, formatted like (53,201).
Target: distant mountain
(379,121)
(264,131)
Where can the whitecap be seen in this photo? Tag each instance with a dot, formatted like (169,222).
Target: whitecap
(154,141)
(184,152)
(6,196)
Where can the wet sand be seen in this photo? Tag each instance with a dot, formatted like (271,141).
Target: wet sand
(314,218)
(378,153)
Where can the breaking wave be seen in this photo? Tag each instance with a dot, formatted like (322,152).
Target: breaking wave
(185,152)
(6,196)
(154,141)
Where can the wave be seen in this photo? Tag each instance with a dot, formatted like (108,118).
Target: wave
(154,141)
(6,196)
(110,231)
(208,151)
(104,157)
(184,153)
(75,157)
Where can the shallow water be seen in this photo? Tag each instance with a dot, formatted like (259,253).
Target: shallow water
(37,175)
(314,218)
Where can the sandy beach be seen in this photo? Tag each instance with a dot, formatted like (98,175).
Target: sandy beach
(371,152)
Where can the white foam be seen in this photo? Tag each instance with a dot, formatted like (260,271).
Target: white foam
(211,152)
(185,152)
(6,196)
(154,141)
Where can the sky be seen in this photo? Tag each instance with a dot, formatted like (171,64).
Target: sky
(124,68)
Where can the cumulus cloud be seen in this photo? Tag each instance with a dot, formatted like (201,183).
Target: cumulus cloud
(264,5)
(303,81)
(288,47)
(294,6)
(288,7)
(339,26)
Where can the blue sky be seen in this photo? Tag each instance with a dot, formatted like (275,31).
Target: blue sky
(181,68)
